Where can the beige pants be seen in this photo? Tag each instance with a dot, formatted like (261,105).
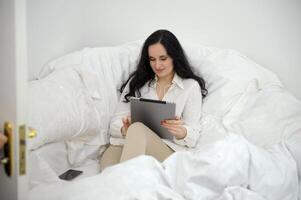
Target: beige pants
(139,140)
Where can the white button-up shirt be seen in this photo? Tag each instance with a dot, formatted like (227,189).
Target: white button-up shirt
(185,93)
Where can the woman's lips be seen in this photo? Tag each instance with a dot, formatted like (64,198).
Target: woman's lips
(159,70)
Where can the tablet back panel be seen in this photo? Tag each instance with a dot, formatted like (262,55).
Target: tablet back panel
(151,113)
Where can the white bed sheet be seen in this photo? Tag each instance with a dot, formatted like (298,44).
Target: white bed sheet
(47,163)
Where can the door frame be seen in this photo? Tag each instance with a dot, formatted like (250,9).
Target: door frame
(13,80)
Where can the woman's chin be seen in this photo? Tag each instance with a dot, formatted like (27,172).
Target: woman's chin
(160,74)
(164,75)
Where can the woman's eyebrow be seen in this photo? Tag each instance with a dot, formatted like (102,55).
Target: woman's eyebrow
(162,56)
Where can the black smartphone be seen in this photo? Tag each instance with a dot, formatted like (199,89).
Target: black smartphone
(70,174)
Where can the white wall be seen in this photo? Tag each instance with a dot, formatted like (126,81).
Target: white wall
(268,31)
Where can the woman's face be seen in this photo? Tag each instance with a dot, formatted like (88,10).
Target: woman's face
(161,63)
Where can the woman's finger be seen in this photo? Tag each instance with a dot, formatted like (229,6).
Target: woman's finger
(176,133)
(172,132)
(129,119)
(171,125)
(173,121)
(172,128)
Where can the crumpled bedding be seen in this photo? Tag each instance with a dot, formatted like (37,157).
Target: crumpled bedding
(250,146)
(228,169)
(226,166)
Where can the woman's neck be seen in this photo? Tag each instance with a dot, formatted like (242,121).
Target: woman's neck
(166,80)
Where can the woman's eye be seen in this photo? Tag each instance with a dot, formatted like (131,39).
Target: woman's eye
(164,58)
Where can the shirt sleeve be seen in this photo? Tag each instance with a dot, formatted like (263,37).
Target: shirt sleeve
(122,110)
(191,116)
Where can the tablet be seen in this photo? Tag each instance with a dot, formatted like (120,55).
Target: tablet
(151,112)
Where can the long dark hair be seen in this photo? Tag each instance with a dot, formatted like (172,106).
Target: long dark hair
(144,72)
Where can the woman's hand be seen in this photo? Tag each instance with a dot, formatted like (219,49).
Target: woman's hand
(127,121)
(175,126)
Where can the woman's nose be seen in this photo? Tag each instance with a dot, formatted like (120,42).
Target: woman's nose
(157,64)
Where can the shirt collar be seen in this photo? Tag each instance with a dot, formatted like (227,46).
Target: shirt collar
(177,80)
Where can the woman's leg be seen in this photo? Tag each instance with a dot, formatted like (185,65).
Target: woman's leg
(140,140)
(111,156)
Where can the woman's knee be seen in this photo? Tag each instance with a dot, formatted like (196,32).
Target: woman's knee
(139,130)
(137,125)
(136,128)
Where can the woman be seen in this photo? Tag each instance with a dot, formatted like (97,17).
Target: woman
(163,73)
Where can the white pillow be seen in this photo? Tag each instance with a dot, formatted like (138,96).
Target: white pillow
(74,58)
(111,65)
(61,108)
(227,74)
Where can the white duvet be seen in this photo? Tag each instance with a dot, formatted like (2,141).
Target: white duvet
(231,168)
(250,146)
